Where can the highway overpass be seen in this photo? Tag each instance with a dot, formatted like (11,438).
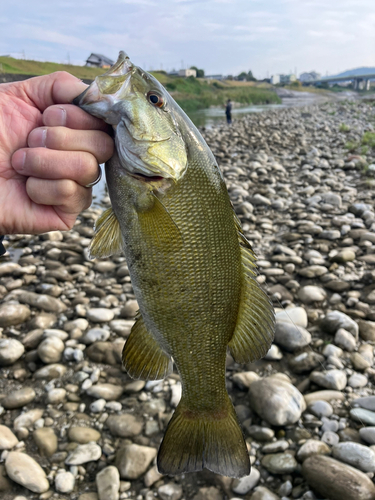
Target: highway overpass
(361,81)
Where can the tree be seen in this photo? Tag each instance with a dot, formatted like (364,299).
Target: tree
(200,72)
(246,76)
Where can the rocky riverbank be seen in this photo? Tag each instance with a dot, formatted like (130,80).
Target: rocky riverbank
(73,425)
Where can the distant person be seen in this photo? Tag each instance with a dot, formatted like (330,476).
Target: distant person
(49,155)
(228,111)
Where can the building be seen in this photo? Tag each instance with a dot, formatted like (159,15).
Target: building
(187,72)
(99,61)
(275,79)
(310,77)
(214,77)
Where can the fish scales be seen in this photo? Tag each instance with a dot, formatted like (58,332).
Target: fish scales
(191,267)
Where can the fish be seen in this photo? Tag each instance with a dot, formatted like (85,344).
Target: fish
(192,269)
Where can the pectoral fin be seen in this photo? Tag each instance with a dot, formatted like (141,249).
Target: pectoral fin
(255,326)
(157,224)
(142,356)
(107,239)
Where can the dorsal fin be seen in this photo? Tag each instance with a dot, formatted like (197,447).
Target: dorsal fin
(107,240)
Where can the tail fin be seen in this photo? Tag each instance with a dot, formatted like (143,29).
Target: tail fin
(194,441)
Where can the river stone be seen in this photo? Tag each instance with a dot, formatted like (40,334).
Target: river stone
(294,315)
(109,392)
(43,302)
(125,425)
(46,441)
(337,481)
(100,315)
(108,483)
(330,379)
(13,314)
(305,362)
(54,370)
(324,395)
(262,493)
(367,402)
(274,353)
(50,350)
(7,439)
(368,434)
(64,481)
(10,351)
(337,319)
(312,447)
(310,294)
(245,379)
(83,435)
(133,460)
(24,470)
(245,484)
(20,398)
(357,380)
(84,453)
(367,330)
(359,362)
(56,396)
(96,335)
(279,463)
(122,326)
(291,337)
(345,340)
(345,255)
(276,400)
(130,309)
(363,416)
(170,491)
(320,408)
(357,455)
(27,419)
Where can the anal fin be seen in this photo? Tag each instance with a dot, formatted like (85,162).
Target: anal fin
(142,356)
(255,327)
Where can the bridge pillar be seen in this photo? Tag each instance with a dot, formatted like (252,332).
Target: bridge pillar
(367,85)
(355,83)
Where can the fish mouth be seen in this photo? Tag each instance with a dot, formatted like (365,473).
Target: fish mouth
(103,85)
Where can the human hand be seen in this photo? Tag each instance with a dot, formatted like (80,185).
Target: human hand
(49,152)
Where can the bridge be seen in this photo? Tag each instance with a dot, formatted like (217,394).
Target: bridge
(360,81)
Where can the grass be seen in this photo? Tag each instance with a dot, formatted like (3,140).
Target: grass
(190,93)
(344,127)
(368,139)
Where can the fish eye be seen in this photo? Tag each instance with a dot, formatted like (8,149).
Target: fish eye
(155,99)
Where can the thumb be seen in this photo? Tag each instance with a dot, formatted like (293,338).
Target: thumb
(57,88)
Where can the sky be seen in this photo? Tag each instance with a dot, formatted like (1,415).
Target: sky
(220,36)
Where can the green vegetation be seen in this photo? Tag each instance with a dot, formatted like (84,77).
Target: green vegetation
(36,68)
(344,127)
(200,72)
(190,93)
(351,146)
(368,139)
(246,76)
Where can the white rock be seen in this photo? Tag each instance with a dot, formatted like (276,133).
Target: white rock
(24,470)
(108,483)
(64,482)
(100,315)
(10,351)
(7,439)
(247,483)
(84,453)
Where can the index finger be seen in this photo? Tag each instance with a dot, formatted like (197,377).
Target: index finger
(70,116)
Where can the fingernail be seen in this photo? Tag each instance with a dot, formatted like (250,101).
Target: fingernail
(61,116)
(37,138)
(18,160)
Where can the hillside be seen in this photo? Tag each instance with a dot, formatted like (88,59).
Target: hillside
(190,93)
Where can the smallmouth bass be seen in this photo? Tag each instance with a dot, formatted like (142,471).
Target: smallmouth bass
(191,267)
